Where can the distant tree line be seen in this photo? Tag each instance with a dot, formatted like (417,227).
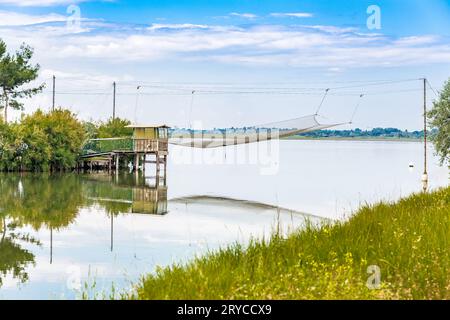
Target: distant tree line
(375,132)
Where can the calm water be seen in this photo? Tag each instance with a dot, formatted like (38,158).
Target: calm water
(60,231)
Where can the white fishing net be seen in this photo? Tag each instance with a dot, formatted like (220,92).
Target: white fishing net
(264,132)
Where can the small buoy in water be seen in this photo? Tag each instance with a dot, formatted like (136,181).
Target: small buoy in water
(411,165)
(425,182)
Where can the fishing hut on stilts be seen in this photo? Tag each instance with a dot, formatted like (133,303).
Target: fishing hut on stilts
(148,145)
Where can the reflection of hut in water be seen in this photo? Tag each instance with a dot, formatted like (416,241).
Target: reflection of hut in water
(150,200)
(139,194)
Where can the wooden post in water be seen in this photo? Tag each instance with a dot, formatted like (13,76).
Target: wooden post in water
(425,171)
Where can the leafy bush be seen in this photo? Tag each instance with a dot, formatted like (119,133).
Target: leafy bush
(439,118)
(41,141)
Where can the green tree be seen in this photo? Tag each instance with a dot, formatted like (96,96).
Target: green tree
(15,71)
(41,142)
(61,130)
(114,128)
(11,147)
(439,119)
(90,129)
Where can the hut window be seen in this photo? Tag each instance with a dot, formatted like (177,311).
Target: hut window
(162,132)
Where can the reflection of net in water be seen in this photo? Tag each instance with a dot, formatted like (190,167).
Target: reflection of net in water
(269,131)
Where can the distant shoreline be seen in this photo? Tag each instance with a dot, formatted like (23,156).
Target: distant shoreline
(374,139)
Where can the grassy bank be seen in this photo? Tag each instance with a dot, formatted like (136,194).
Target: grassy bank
(409,241)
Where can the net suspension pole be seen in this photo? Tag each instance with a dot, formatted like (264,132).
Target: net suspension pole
(136,105)
(321,102)
(190,108)
(53,92)
(356,108)
(425,171)
(114,101)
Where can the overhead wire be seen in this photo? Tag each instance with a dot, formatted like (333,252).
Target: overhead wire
(202,92)
(184,90)
(175,89)
(432,89)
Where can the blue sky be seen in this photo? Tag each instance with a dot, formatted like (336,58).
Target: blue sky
(401,17)
(170,48)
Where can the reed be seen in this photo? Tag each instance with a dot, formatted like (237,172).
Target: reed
(408,241)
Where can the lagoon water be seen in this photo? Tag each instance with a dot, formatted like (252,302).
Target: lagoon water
(60,232)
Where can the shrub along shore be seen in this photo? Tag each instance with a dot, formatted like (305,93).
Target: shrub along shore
(51,141)
(407,242)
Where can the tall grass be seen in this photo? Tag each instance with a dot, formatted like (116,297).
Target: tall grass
(409,241)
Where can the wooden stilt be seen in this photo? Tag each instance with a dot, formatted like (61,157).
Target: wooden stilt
(165,169)
(157,164)
(143,162)
(136,162)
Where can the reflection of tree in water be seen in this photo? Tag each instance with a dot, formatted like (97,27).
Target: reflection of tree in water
(41,200)
(37,201)
(53,202)
(13,258)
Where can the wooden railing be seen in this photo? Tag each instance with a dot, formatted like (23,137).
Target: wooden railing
(95,146)
(104,145)
(150,145)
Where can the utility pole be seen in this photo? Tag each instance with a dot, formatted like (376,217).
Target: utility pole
(51,245)
(425,171)
(54,85)
(114,100)
(112,232)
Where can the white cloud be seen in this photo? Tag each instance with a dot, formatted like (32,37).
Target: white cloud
(335,69)
(292,15)
(157,26)
(417,41)
(100,80)
(322,46)
(8,18)
(39,3)
(244,15)
(334,29)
